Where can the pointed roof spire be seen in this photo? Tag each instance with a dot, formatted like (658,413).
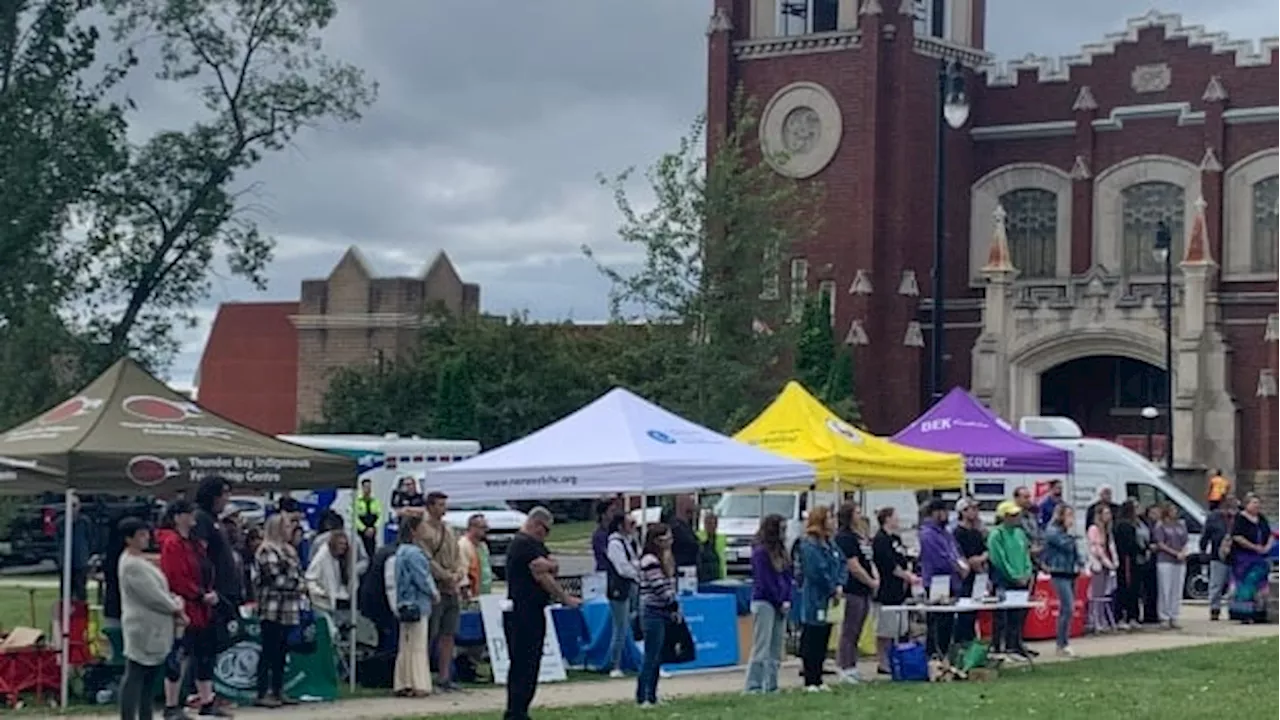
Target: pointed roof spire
(914,337)
(1210,163)
(1214,91)
(856,335)
(1080,170)
(1197,252)
(870,7)
(353,258)
(1084,100)
(998,256)
(719,22)
(861,284)
(908,285)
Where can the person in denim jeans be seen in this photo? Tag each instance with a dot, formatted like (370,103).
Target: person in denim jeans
(658,607)
(623,584)
(1061,558)
(772,579)
(1217,529)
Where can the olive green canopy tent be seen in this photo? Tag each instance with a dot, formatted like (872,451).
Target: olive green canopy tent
(23,477)
(127,432)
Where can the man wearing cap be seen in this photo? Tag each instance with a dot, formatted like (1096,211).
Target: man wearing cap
(1010,554)
(939,557)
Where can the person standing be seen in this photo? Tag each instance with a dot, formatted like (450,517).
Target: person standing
(81,530)
(1103,562)
(939,557)
(1216,543)
(1131,551)
(329,581)
(1030,525)
(415,592)
(368,514)
(1103,498)
(407,499)
(184,564)
(473,551)
(896,580)
(446,566)
(822,572)
(1062,559)
(772,578)
(606,510)
(1219,488)
(1049,503)
(211,501)
(860,584)
(971,539)
(622,586)
(281,601)
(1251,562)
(1149,587)
(149,614)
(1009,549)
(1171,565)
(711,550)
(658,607)
(531,586)
(684,540)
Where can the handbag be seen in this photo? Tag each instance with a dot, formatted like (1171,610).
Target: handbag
(908,662)
(677,644)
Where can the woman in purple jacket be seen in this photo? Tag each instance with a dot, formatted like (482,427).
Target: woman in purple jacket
(772,578)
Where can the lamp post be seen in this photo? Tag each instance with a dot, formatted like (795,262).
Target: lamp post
(953,111)
(1161,252)
(1149,414)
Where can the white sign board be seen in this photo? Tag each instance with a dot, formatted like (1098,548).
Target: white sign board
(594,585)
(495,637)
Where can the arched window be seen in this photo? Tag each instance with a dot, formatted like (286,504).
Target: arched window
(1145,206)
(1031,222)
(1266,225)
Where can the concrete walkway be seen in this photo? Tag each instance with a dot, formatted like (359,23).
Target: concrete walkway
(1197,630)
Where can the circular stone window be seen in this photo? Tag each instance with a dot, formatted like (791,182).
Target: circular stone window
(800,129)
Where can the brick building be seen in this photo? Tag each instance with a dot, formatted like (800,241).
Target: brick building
(354,317)
(1069,164)
(249,369)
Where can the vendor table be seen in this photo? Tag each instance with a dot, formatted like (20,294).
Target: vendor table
(964,608)
(740,590)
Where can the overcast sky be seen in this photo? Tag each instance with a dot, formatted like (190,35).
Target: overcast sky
(495,117)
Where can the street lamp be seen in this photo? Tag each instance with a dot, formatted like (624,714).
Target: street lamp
(953,112)
(1161,251)
(1149,414)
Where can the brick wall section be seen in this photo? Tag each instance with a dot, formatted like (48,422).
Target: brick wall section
(352,318)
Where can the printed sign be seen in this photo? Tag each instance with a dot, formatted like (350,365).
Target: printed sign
(495,636)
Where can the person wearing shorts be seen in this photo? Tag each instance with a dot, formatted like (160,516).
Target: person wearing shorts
(888,554)
(449,573)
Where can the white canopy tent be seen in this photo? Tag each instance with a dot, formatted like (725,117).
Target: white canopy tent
(621,443)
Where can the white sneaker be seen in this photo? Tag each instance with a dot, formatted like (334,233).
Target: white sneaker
(615,674)
(813,688)
(850,676)
(1066,652)
(664,673)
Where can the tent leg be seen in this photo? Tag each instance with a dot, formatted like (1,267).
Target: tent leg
(65,630)
(352,582)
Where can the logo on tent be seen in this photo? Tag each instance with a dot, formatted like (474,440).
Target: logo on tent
(150,407)
(73,408)
(148,470)
(844,430)
(662,437)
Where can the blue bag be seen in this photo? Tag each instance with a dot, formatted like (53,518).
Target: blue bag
(909,663)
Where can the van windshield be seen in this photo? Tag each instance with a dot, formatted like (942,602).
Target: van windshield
(480,507)
(747,505)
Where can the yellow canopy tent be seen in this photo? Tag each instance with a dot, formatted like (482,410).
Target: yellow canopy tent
(798,426)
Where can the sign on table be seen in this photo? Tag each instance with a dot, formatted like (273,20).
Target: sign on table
(495,636)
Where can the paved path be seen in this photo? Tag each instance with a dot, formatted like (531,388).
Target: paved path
(1197,631)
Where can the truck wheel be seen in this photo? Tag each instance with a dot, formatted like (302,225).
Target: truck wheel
(1197,585)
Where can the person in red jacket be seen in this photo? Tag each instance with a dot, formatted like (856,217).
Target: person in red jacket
(183,562)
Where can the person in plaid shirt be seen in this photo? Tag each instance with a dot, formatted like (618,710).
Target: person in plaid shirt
(281,601)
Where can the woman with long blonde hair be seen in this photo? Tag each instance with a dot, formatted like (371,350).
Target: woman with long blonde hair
(822,570)
(282,597)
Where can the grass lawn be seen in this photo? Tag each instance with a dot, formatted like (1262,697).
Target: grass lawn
(1225,679)
(571,537)
(15,607)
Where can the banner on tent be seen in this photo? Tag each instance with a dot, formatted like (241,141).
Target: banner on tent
(495,637)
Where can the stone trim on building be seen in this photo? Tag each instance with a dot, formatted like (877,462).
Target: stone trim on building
(1237,220)
(1108,216)
(985,196)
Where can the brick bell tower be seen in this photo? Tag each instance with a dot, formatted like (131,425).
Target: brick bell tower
(849,90)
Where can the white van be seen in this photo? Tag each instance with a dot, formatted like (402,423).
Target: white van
(1097,463)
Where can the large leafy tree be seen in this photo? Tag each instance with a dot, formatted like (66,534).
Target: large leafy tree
(820,365)
(178,204)
(707,282)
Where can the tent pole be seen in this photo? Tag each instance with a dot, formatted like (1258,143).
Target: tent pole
(65,621)
(353,593)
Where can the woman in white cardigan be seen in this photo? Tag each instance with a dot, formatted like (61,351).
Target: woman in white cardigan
(329,580)
(149,616)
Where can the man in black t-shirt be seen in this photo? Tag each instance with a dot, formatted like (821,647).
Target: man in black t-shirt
(211,500)
(890,558)
(861,582)
(531,586)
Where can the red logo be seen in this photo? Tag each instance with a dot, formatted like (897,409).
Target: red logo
(73,408)
(1046,604)
(148,470)
(150,407)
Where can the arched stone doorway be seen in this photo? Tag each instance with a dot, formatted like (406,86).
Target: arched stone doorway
(1105,395)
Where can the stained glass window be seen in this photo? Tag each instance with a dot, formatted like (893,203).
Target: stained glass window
(1266,235)
(1145,206)
(1031,222)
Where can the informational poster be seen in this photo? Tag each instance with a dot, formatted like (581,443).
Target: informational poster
(491,608)
(594,585)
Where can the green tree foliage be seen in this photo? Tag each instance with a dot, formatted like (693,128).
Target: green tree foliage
(258,69)
(821,366)
(710,247)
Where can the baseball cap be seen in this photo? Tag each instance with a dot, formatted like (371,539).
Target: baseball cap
(1007,508)
(964,504)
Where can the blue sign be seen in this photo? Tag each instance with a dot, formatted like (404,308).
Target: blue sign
(662,437)
(713,622)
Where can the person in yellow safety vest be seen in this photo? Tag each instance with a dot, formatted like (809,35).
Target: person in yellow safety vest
(368,516)
(1219,486)
(712,563)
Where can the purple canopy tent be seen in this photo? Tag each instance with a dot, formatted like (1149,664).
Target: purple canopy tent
(958,423)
